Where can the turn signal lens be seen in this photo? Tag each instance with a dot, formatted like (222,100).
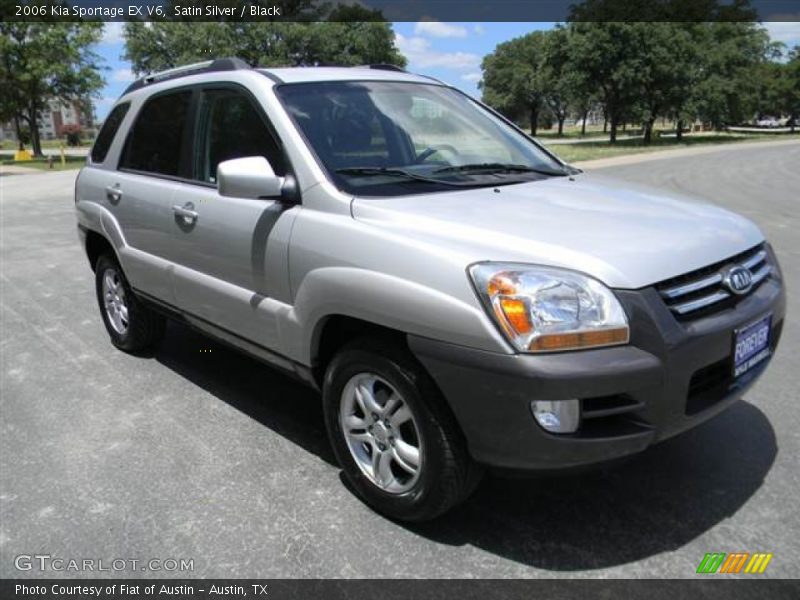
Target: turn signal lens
(516,313)
(584,339)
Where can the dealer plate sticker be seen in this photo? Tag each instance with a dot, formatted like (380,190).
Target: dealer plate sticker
(751,346)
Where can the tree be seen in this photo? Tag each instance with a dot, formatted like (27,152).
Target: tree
(649,57)
(727,90)
(666,73)
(558,78)
(792,88)
(159,46)
(608,56)
(513,81)
(45,61)
(787,87)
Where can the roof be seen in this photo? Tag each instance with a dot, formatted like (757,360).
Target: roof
(281,75)
(309,74)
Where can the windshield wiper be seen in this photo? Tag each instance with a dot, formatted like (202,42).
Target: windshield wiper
(392,171)
(492,168)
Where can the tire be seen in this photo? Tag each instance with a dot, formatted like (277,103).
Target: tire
(445,473)
(139,327)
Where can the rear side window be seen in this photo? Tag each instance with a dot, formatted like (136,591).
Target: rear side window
(107,132)
(231,127)
(154,144)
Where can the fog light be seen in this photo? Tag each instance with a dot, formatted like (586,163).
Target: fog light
(557,416)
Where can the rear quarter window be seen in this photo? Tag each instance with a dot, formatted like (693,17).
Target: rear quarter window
(108,131)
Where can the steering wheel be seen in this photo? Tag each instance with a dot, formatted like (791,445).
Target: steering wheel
(431,150)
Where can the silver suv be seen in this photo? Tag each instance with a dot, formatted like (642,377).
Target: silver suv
(460,296)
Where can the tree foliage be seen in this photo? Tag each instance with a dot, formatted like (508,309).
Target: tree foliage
(40,62)
(513,80)
(158,46)
(718,72)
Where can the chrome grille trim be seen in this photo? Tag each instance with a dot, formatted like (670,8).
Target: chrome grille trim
(699,303)
(688,288)
(761,274)
(705,287)
(756,260)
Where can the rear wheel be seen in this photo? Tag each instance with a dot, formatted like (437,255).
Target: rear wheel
(131,325)
(392,433)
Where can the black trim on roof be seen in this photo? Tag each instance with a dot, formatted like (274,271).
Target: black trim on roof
(383,67)
(275,79)
(218,65)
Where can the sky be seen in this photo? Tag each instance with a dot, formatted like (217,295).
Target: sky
(451,52)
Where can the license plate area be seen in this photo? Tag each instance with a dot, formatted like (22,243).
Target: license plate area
(751,345)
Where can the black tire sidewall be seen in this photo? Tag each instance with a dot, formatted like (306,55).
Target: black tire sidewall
(412,385)
(123,341)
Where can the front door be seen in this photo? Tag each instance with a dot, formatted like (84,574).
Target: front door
(230,253)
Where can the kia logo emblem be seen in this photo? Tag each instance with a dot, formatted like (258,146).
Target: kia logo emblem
(738,280)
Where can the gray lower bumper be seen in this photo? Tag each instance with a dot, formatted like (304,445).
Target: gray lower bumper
(672,376)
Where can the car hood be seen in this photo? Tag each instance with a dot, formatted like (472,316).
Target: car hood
(627,236)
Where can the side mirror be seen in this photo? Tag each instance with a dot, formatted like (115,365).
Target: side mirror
(248,177)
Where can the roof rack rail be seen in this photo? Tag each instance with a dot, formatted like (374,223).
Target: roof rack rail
(208,66)
(383,67)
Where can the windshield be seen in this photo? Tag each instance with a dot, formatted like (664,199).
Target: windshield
(379,138)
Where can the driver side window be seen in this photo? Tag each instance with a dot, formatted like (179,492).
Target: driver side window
(231,127)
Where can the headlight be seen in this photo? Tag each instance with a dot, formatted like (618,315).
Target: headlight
(543,309)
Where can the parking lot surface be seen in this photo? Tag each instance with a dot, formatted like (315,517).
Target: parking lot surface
(196,452)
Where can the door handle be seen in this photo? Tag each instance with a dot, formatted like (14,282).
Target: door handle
(186,212)
(114,193)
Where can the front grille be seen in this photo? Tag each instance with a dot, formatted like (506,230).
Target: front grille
(712,383)
(703,291)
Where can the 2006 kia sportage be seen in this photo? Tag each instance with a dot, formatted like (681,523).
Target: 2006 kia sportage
(460,296)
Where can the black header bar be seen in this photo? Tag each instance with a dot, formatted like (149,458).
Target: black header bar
(400,10)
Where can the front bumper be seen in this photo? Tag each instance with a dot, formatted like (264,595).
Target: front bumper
(671,377)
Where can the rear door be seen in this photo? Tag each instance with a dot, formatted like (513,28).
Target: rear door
(231,253)
(152,163)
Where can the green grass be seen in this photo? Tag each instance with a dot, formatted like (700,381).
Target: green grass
(72,162)
(595,150)
(569,133)
(11,145)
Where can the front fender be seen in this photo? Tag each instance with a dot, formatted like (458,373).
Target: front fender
(384,300)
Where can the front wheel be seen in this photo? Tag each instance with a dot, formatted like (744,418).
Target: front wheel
(392,433)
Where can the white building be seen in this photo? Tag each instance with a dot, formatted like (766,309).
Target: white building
(55,117)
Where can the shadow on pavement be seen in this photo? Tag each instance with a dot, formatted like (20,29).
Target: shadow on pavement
(655,502)
(273,399)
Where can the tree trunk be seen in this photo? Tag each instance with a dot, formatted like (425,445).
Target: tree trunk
(18,129)
(36,143)
(534,118)
(679,130)
(613,134)
(561,125)
(585,116)
(648,131)
(605,121)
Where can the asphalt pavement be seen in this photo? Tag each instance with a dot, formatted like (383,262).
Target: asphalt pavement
(195,452)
